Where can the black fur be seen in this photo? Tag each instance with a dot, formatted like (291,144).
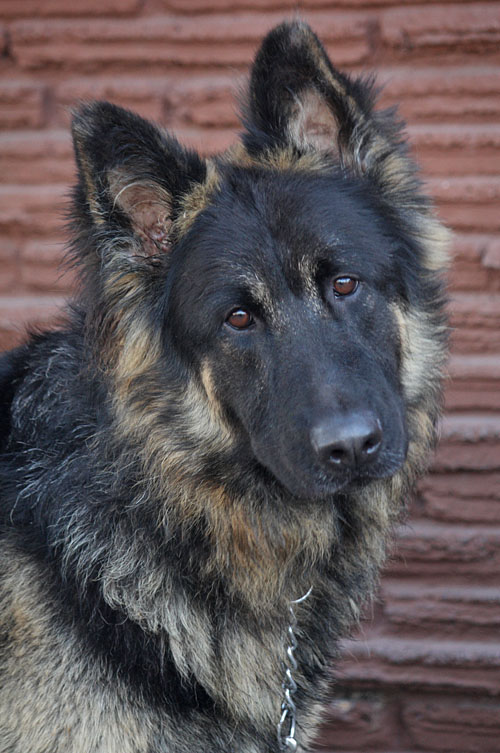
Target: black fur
(171,481)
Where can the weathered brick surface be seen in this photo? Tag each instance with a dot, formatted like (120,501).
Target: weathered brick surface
(359,721)
(442,552)
(459,150)
(462,497)
(424,674)
(451,95)
(476,264)
(474,382)
(455,33)
(447,666)
(210,40)
(9,264)
(468,726)
(21,104)
(35,8)
(29,210)
(28,157)
(415,608)
(17,312)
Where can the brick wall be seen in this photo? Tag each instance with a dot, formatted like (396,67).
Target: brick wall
(424,674)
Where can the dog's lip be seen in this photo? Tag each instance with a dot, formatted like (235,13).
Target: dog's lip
(321,486)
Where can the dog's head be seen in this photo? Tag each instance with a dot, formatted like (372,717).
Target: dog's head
(283,299)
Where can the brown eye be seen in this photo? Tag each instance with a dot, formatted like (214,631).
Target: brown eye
(239,319)
(345,285)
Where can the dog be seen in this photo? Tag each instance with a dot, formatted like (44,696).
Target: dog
(202,467)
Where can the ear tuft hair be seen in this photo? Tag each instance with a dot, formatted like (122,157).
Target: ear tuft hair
(132,174)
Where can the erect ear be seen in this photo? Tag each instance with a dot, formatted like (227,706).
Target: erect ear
(132,176)
(299,103)
(297,98)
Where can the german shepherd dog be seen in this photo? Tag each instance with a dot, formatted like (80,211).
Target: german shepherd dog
(242,396)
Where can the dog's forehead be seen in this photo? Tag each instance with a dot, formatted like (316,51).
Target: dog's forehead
(268,232)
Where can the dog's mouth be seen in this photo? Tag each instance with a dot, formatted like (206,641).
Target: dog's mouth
(320,484)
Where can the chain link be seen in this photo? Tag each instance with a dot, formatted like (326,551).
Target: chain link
(288,720)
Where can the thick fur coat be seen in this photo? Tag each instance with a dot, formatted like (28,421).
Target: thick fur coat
(241,399)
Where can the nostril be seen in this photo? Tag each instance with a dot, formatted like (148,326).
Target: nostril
(338,456)
(371,445)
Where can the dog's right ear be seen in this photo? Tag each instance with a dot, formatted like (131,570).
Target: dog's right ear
(132,176)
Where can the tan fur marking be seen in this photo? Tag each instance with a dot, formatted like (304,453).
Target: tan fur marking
(53,698)
(258,560)
(197,199)
(225,434)
(422,352)
(91,190)
(282,158)
(436,240)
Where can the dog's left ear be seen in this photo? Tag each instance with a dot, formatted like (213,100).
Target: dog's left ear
(299,103)
(297,98)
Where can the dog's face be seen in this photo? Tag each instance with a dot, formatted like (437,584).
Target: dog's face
(281,273)
(283,291)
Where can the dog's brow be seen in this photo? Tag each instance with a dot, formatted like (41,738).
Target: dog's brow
(259,291)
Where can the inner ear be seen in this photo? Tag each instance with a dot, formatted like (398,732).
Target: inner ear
(312,122)
(148,208)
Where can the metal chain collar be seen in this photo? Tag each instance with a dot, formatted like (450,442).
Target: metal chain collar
(288,720)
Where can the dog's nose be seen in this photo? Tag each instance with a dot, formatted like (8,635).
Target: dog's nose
(347,440)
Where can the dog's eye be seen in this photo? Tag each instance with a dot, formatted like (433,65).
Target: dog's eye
(239,319)
(345,285)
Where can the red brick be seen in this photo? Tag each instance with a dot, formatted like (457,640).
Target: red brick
(206,141)
(460,611)
(34,8)
(457,150)
(465,666)
(143,95)
(474,384)
(439,550)
(468,726)
(463,497)
(204,101)
(30,210)
(455,95)
(193,6)
(321,749)
(475,259)
(42,267)
(470,429)
(40,157)
(357,722)
(21,104)
(211,40)
(475,318)
(491,256)
(9,265)
(49,252)
(442,30)
(45,279)
(197,111)
(17,313)
(469,443)
(468,203)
